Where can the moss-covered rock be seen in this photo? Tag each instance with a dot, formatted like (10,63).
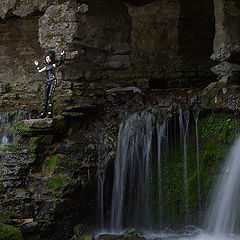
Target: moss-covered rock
(81,232)
(217,132)
(21,128)
(10,233)
(51,163)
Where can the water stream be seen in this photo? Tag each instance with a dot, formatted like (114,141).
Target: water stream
(142,140)
(132,198)
(183,124)
(224,216)
(196,117)
(7,122)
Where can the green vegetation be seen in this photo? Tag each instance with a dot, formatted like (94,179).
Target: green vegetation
(21,128)
(216,135)
(60,124)
(58,106)
(58,183)
(10,233)
(51,163)
(219,127)
(10,148)
(33,144)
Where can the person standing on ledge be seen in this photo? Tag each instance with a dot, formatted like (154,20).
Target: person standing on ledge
(51,82)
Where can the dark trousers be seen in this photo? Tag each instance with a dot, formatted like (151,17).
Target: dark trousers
(48,103)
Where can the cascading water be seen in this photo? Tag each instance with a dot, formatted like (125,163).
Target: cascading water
(224,217)
(183,124)
(7,121)
(160,133)
(196,117)
(138,179)
(132,197)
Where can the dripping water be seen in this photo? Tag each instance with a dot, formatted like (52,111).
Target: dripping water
(132,196)
(196,117)
(224,217)
(183,124)
(7,122)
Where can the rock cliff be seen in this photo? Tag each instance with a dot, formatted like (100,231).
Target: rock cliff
(121,57)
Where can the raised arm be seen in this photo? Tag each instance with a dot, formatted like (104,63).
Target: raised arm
(38,68)
(60,61)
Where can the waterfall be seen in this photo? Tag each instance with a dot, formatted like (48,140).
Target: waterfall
(7,122)
(132,196)
(196,117)
(224,216)
(160,134)
(183,124)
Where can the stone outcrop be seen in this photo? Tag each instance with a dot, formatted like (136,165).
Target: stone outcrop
(116,52)
(108,44)
(227,37)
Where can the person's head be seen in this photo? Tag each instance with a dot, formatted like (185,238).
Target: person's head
(50,56)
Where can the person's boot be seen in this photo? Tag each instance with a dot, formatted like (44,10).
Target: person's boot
(49,115)
(43,113)
(50,108)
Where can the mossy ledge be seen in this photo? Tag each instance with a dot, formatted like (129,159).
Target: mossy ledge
(8,232)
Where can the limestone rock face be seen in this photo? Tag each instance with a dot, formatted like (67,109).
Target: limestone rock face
(227,37)
(115,52)
(167,39)
(226,69)
(19,81)
(58,26)
(156,44)
(5,6)
(221,95)
(22,8)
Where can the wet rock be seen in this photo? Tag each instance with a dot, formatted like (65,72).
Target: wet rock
(226,69)
(126,89)
(227,36)
(81,232)
(118,237)
(73,114)
(39,126)
(221,95)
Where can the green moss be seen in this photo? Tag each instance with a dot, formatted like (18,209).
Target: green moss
(132,231)
(21,128)
(58,183)
(10,233)
(51,163)
(33,157)
(58,106)
(216,135)
(220,127)
(10,148)
(60,124)
(33,144)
